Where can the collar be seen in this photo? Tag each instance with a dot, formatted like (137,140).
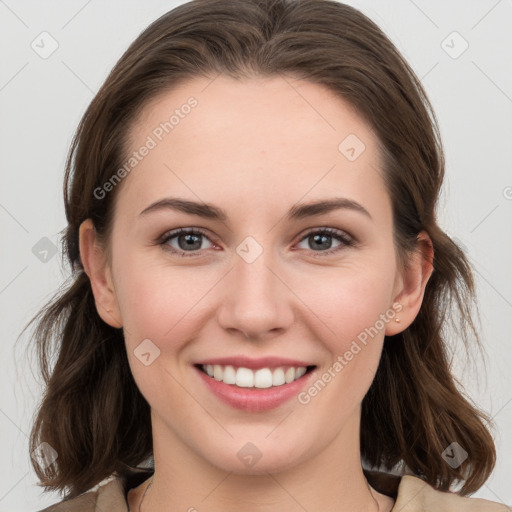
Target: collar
(411,494)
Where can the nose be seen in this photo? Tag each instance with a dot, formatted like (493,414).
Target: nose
(256,302)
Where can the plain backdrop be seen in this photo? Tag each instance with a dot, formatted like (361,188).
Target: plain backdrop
(460,49)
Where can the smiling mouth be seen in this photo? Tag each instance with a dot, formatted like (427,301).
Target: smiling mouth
(262,378)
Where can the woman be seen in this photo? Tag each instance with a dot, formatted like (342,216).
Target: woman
(260,286)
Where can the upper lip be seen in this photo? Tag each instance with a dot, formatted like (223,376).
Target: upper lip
(262,362)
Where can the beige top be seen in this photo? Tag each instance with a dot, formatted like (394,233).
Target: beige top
(412,495)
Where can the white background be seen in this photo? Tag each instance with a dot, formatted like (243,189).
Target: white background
(42,101)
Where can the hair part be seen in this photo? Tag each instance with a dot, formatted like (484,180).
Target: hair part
(92,412)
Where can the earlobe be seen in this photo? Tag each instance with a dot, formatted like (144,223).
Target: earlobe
(95,266)
(414,279)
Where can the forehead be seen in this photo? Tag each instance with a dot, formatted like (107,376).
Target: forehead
(258,137)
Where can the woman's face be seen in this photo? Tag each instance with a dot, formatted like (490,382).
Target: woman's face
(257,283)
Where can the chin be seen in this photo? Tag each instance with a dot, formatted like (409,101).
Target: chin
(244,457)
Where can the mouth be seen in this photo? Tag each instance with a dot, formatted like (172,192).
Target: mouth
(262,378)
(255,385)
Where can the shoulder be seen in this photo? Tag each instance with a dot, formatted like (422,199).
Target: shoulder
(109,496)
(415,495)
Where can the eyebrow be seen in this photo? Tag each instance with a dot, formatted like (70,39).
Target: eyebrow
(297,212)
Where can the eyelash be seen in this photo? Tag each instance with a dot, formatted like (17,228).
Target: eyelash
(345,239)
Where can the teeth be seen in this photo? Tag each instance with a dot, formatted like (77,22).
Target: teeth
(289,375)
(244,378)
(217,372)
(263,378)
(278,377)
(300,371)
(247,378)
(229,375)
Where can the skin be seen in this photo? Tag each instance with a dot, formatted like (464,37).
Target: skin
(254,148)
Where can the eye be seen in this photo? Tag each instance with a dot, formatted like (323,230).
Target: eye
(322,239)
(185,240)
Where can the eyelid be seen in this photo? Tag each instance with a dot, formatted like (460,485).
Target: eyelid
(173,233)
(346,240)
(331,231)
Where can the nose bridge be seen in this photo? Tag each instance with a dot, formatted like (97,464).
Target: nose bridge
(256,300)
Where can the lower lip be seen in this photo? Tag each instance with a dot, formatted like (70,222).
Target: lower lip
(254,399)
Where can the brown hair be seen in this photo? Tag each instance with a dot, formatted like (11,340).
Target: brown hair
(92,412)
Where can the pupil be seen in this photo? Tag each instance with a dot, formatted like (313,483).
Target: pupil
(318,239)
(190,240)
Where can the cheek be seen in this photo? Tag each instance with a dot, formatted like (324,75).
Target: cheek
(354,309)
(351,303)
(159,301)
(159,304)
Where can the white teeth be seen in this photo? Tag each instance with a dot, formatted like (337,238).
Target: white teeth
(247,378)
(289,376)
(278,377)
(229,376)
(217,372)
(263,378)
(299,372)
(244,378)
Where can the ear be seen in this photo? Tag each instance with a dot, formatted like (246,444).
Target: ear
(99,273)
(411,284)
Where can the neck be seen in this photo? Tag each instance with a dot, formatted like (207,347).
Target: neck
(332,480)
